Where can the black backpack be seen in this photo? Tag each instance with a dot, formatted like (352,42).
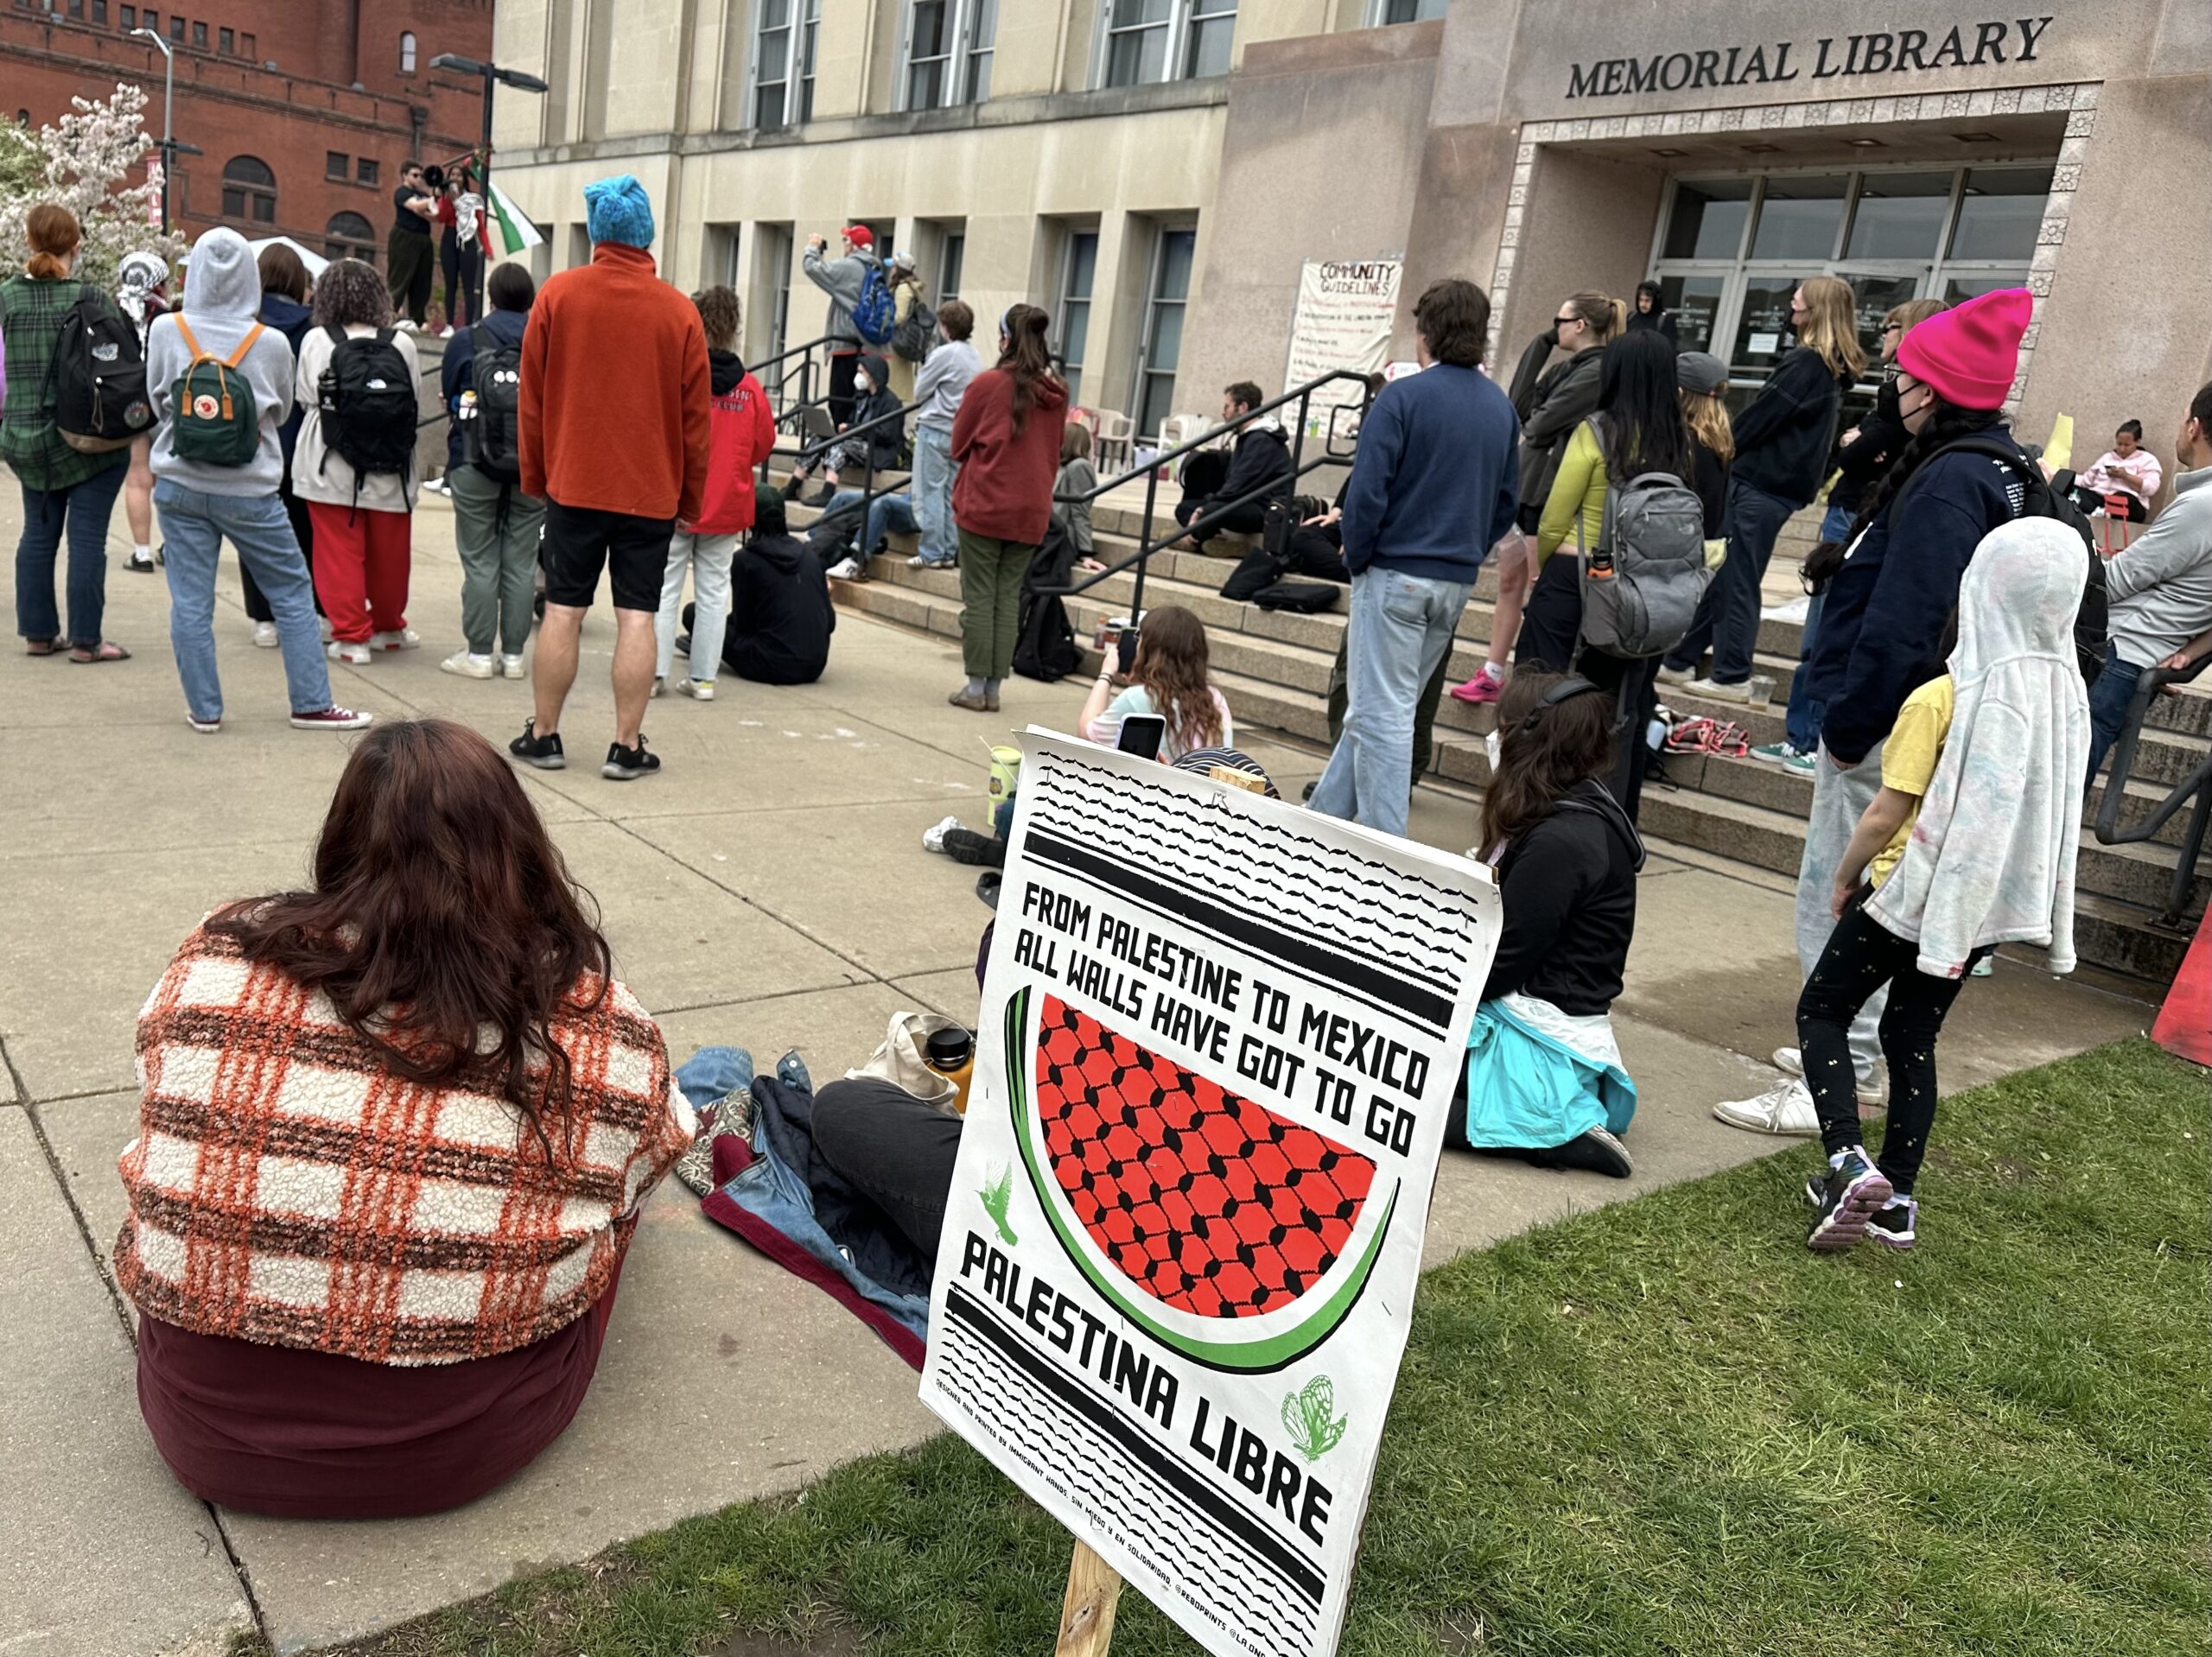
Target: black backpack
(1044,643)
(492,440)
(98,378)
(2041,498)
(366,397)
(912,338)
(1299,597)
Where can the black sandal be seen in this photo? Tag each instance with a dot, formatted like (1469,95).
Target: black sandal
(54,647)
(105,651)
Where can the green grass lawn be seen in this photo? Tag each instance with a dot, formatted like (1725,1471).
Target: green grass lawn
(1662,1426)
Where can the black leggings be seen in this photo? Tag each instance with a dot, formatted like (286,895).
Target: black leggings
(2131,511)
(257,607)
(1860,957)
(1551,627)
(894,1149)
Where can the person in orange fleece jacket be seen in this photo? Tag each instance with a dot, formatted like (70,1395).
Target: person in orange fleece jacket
(616,434)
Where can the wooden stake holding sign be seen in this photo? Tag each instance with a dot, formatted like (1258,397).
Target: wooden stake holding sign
(1217,1047)
(1087,1613)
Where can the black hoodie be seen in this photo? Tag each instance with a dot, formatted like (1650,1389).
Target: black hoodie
(1569,886)
(779,614)
(888,441)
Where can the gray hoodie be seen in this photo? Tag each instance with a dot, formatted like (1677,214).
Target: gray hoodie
(222,293)
(843,280)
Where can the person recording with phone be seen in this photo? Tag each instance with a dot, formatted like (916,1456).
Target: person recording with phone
(1166,676)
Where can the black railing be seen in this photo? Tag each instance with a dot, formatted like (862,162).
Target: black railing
(776,380)
(806,453)
(1216,516)
(2197,786)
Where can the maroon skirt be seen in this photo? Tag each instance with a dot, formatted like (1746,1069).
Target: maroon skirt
(312,1435)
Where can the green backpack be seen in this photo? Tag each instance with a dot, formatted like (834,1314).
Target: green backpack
(215,419)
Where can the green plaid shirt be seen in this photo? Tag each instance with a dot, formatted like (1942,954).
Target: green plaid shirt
(31,313)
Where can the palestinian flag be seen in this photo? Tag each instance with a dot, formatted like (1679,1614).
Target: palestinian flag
(505,229)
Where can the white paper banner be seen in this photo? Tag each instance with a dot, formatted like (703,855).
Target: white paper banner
(1220,1038)
(1345,310)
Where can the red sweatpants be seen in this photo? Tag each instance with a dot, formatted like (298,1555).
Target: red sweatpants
(362,561)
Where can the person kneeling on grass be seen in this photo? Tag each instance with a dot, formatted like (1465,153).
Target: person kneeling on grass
(1544,1078)
(376,1284)
(1970,843)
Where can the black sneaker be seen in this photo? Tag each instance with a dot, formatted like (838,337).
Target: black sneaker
(627,765)
(966,846)
(1893,1226)
(542,752)
(1597,1151)
(1853,1191)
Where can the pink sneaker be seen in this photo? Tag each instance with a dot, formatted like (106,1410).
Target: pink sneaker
(332,719)
(1480,690)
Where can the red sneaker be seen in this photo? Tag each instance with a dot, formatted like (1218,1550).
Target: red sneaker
(1480,690)
(332,719)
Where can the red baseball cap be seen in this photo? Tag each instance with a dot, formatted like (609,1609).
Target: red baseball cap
(859,236)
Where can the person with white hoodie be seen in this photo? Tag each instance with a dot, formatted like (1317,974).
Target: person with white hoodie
(202,502)
(1971,843)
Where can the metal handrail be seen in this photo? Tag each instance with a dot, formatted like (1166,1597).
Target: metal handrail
(870,493)
(1146,546)
(2197,786)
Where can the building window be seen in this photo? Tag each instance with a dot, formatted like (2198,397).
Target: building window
(99,11)
(226,42)
(1161,348)
(176,29)
(1148,41)
(950,262)
(1079,272)
(349,236)
(200,37)
(949,52)
(407,52)
(336,164)
(783,62)
(76,8)
(150,21)
(1407,11)
(776,256)
(365,171)
(245,45)
(1731,252)
(130,17)
(249,190)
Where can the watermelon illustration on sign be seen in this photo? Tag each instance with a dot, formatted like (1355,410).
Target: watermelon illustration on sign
(1233,1234)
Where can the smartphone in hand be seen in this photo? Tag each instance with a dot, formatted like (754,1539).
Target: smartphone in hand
(1141,735)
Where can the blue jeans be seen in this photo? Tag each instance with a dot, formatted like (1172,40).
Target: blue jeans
(257,525)
(708,558)
(1401,627)
(82,511)
(934,471)
(886,515)
(1806,712)
(2108,702)
(1729,619)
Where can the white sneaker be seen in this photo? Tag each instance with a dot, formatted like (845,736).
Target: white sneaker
(660,686)
(1791,1061)
(1786,1110)
(513,667)
(358,655)
(1675,676)
(264,635)
(405,639)
(468,665)
(933,836)
(1740,691)
(845,569)
(697,689)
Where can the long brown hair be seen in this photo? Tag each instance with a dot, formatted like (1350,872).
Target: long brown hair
(1171,666)
(1025,356)
(1542,752)
(1832,326)
(54,236)
(443,924)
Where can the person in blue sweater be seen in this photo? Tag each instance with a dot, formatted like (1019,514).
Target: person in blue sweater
(1434,486)
(1882,633)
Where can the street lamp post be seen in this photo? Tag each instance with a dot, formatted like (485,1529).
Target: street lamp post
(168,105)
(522,82)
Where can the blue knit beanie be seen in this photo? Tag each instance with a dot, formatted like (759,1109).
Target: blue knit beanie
(618,210)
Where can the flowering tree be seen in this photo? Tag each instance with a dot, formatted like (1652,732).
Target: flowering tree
(83,163)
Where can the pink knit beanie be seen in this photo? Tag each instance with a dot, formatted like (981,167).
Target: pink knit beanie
(1970,352)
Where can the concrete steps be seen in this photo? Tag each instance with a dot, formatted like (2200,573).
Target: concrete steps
(1273,670)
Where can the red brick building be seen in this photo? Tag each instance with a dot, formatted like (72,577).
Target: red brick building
(303,109)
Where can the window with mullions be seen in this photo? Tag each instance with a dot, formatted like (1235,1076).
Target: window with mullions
(1407,11)
(1731,252)
(1143,41)
(1162,349)
(249,190)
(783,62)
(1078,275)
(948,53)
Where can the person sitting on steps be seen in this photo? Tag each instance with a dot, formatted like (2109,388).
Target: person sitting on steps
(877,452)
(1169,678)
(1544,1078)
(1259,460)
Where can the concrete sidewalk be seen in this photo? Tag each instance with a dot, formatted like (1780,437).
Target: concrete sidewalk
(767,889)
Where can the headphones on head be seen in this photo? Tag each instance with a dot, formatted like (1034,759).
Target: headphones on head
(1564,690)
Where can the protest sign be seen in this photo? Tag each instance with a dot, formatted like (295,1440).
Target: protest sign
(1346,309)
(1219,1040)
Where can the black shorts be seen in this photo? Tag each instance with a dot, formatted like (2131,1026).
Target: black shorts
(581,541)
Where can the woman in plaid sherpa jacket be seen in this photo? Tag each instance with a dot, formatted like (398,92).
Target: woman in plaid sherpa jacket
(395,1136)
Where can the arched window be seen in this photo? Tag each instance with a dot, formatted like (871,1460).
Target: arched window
(249,190)
(349,236)
(407,52)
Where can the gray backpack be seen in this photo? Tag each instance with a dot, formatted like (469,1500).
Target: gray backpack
(1641,587)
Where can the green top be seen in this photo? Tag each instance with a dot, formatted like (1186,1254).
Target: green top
(1580,483)
(31,313)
